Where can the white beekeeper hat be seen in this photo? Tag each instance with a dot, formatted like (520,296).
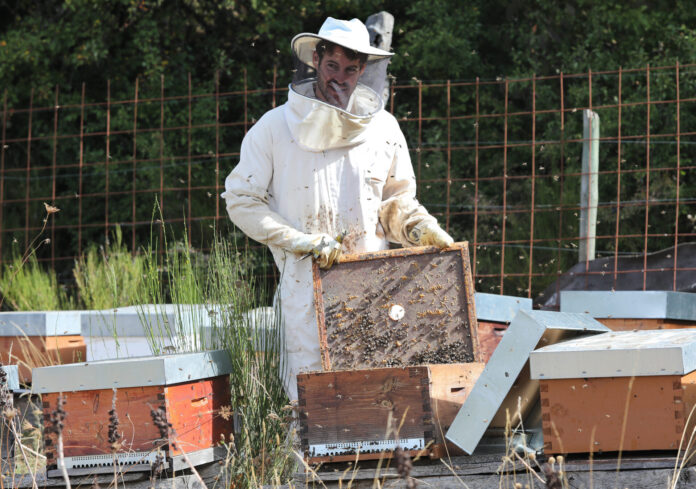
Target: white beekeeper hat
(351,34)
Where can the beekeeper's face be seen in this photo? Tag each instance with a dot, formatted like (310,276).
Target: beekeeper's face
(337,75)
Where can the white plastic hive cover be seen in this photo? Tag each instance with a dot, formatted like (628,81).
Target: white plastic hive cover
(618,354)
(506,368)
(500,308)
(131,372)
(12,377)
(40,323)
(631,304)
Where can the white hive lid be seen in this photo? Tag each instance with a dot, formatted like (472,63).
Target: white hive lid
(618,354)
(527,331)
(12,377)
(40,323)
(631,304)
(131,372)
(500,308)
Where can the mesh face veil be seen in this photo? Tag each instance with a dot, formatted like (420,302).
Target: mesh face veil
(338,67)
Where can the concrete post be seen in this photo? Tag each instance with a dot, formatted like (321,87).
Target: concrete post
(589,185)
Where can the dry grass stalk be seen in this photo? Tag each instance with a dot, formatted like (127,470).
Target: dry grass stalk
(57,424)
(167,432)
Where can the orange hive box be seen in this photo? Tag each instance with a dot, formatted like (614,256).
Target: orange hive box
(494,313)
(372,411)
(192,388)
(40,338)
(618,391)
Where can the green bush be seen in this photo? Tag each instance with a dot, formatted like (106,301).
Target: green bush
(109,276)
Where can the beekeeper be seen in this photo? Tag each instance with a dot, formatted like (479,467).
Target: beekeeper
(329,160)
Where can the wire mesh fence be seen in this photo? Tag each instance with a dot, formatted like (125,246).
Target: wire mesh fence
(499,162)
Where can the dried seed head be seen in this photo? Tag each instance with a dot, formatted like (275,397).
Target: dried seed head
(553,480)
(156,469)
(4,390)
(404,466)
(159,418)
(57,417)
(50,209)
(225,412)
(114,435)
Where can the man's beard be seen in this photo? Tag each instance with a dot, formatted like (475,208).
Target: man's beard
(338,96)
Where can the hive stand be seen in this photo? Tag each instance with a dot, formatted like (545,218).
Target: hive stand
(193,389)
(41,338)
(505,386)
(619,391)
(494,313)
(627,310)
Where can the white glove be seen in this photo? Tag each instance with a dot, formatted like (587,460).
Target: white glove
(428,233)
(323,247)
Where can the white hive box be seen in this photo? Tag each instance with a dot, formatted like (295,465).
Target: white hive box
(629,310)
(494,313)
(130,331)
(625,390)
(505,379)
(39,338)
(193,389)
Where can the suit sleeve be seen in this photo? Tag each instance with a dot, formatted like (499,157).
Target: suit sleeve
(246,191)
(400,211)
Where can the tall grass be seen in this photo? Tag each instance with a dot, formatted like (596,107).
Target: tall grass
(109,276)
(217,303)
(26,286)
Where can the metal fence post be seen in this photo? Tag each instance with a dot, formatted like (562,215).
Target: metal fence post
(589,186)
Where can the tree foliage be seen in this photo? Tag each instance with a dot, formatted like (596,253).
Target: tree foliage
(53,47)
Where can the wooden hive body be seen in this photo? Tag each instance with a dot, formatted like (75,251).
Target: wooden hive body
(344,413)
(494,313)
(621,391)
(634,310)
(383,369)
(193,390)
(36,339)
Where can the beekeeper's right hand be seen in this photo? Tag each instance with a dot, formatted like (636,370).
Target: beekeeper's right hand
(323,247)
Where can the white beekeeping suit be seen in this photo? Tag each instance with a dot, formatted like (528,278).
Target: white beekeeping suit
(329,160)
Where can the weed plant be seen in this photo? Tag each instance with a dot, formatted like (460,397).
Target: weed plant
(108,276)
(216,303)
(26,286)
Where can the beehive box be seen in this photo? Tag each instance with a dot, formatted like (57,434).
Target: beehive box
(8,425)
(505,387)
(395,308)
(619,391)
(34,339)
(494,313)
(193,389)
(627,310)
(369,412)
(398,329)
